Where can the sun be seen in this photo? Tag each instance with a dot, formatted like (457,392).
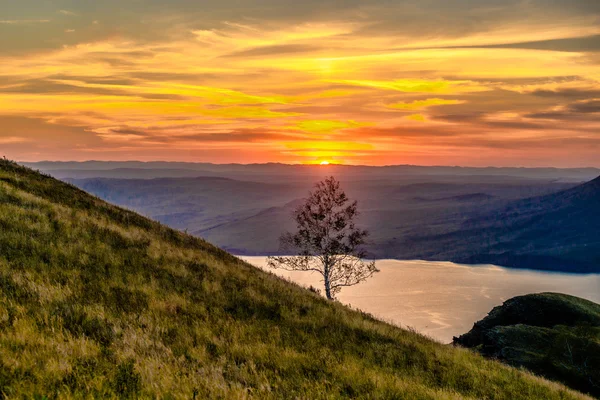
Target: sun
(324,162)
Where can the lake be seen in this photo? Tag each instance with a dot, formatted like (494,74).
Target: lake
(444,299)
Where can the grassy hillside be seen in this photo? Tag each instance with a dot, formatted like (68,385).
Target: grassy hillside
(554,335)
(96,301)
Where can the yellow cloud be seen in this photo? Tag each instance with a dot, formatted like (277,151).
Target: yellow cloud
(245,112)
(326,95)
(218,95)
(212,95)
(417,85)
(327,126)
(238,37)
(421,104)
(317,151)
(417,117)
(327,146)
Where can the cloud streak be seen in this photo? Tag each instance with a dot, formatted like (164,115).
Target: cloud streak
(23,21)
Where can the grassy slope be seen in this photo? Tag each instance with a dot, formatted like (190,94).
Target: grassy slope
(554,335)
(97,301)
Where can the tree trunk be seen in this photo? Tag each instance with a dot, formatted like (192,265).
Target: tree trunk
(328,289)
(327,282)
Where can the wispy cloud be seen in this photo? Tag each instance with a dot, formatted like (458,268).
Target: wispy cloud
(421,104)
(327,126)
(417,85)
(68,13)
(23,21)
(13,139)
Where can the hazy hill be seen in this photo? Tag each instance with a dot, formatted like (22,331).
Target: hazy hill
(285,173)
(130,173)
(99,302)
(188,203)
(554,335)
(556,231)
(248,217)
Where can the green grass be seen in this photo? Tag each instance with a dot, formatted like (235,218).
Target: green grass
(99,302)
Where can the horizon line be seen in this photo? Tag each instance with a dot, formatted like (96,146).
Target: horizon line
(331,164)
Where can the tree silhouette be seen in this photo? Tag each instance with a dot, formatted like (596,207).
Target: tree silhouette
(327,240)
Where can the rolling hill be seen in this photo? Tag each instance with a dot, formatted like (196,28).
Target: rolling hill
(557,231)
(551,334)
(408,216)
(100,302)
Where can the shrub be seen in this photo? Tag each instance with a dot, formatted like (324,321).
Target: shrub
(128,301)
(78,323)
(127,381)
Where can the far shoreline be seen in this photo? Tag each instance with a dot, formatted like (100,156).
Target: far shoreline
(455,263)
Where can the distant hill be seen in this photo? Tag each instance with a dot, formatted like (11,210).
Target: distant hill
(272,172)
(551,334)
(469,197)
(558,231)
(130,173)
(405,215)
(100,302)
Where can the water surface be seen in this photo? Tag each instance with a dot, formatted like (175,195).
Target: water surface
(444,299)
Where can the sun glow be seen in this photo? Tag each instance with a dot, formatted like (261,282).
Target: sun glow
(324,163)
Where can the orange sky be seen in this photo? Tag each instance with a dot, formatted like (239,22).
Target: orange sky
(506,83)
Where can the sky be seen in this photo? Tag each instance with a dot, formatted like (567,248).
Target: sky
(379,82)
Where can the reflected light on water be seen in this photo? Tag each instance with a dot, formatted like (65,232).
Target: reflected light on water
(443,299)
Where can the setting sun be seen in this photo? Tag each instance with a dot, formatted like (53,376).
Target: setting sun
(324,162)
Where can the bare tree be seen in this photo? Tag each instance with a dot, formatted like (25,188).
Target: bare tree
(327,240)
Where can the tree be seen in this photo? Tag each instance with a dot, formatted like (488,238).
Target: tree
(327,240)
